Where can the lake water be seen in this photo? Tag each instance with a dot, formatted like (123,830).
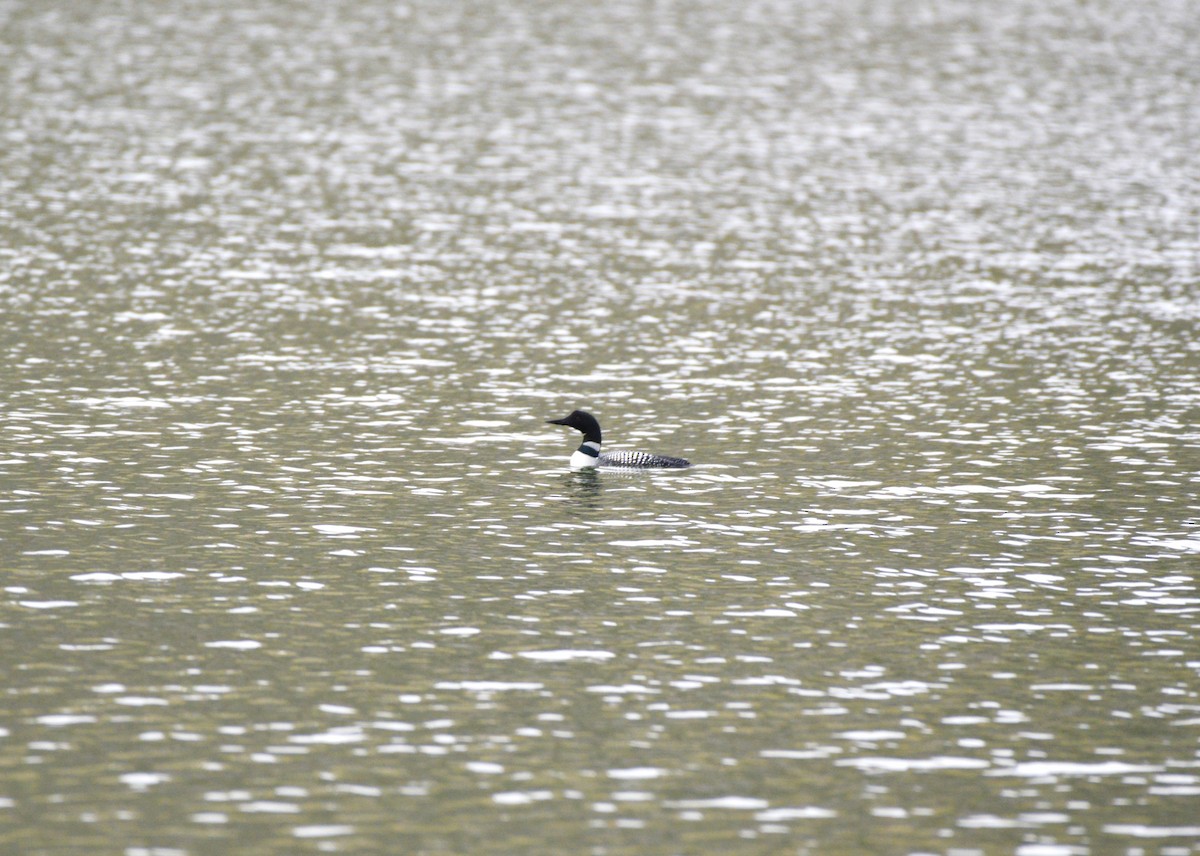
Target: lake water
(291,563)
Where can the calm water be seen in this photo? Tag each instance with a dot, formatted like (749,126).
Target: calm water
(291,564)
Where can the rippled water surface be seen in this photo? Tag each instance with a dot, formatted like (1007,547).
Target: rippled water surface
(291,562)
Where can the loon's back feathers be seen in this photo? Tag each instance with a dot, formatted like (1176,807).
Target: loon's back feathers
(588,454)
(642,460)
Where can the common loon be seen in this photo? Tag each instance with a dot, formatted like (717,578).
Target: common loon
(588,454)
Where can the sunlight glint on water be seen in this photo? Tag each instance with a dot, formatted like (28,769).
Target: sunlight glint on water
(292,563)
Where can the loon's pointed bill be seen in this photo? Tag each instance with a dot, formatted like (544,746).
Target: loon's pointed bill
(588,454)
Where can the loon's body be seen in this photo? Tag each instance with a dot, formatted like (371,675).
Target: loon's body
(588,454)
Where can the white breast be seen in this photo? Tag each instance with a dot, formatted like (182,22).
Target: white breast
(582,460)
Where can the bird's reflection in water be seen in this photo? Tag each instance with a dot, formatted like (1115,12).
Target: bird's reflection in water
(584,487)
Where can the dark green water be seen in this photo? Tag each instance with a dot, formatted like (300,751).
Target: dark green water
(291,563)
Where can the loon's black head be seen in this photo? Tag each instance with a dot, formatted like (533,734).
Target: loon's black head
(581,421)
